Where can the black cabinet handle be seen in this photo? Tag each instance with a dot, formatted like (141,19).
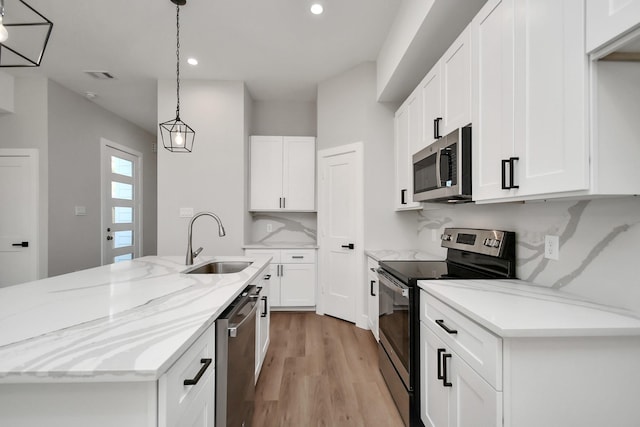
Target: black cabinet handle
(504,174)
(403,197)
(444,370)
(436,128)
(371,290)
(21,244)
(440,323)
(511,168)
(440,351)
(264,309)
(298,257)
(194,381)
(349,246)
(267,277)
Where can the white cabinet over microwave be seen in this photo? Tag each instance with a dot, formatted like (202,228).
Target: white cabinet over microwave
(610,19)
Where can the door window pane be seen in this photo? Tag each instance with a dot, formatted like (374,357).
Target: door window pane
(124,257)
(120,190)
(122,215)
(121,166)
(122,239)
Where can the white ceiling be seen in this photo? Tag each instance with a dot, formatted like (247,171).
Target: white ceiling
(277,47)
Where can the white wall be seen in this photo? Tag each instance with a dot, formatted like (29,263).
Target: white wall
(347,113)
(287,118)
(598,242)
(212,177)
(7,83)
(27,128)
(76,126)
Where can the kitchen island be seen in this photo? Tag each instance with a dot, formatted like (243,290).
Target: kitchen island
(92,347)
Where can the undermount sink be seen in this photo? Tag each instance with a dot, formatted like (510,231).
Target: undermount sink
(219,267)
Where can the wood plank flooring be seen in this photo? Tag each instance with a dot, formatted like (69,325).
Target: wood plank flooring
(321,371)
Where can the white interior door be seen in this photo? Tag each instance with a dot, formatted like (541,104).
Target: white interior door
(18,216)
(121,203)
(340,218)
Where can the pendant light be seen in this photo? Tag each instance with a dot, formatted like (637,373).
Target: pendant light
(177,136)
(22,44)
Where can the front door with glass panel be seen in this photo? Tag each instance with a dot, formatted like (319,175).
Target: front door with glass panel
(120,204)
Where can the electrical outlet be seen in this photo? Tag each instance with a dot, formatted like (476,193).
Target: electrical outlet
(552,247)
(269,227)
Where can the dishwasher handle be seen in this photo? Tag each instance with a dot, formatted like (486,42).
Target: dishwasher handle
(233,331)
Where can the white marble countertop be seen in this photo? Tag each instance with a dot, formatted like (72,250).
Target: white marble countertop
(401,255)
(128,321)
(515,308)
(280,245)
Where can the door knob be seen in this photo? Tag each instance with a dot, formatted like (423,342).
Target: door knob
(349,246)
(21,244)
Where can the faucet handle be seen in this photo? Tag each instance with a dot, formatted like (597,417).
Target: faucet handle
(197,252)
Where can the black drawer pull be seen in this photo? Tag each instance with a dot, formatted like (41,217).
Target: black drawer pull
(297,257)
(194,381)
(264,308)
(440,323)
(371,291)
(267,277)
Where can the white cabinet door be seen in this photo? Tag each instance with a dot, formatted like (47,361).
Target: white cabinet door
(372,286)
(550,97)
(456,84)
(298,285)
(493,97)
(299,173)
(530,104)
(431,107)
(435,399)
(474,403)
(608,19)
(404,161)
(266,172)
(274,285)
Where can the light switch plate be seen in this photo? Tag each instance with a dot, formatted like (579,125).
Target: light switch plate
(186,212)
(81,210)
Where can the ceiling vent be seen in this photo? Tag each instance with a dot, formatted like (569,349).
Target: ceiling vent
(101,75)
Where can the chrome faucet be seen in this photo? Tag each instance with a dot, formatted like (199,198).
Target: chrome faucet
(192,254)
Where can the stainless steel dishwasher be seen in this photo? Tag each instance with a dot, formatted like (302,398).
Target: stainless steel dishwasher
(235,360)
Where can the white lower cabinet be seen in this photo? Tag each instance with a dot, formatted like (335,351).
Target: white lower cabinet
(181,404)
(292,280)
(372,299)
(472,377)
(263,320)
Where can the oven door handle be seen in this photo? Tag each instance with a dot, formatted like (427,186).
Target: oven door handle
(403,291)
(438,160)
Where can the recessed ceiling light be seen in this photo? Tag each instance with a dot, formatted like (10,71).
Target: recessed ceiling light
(316,8)
(192,61)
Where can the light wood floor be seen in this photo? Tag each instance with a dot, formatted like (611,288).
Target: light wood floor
(321,371)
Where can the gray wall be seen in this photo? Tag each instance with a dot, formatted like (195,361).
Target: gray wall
(347,113)
(27,128)
(212,177)
(598,242)
(286,118)
(76,126)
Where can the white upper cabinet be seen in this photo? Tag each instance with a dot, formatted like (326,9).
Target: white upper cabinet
(456,84)
(530,103)
(609,19)
(407,131)
(282,173)
(446,93)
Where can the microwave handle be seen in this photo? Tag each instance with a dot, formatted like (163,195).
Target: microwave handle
(445,152)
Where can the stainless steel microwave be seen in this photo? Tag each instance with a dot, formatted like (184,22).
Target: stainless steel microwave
(442,171)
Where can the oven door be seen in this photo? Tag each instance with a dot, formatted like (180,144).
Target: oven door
(394,300)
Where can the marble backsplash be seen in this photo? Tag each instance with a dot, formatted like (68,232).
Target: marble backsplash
(294,227)
(599,242)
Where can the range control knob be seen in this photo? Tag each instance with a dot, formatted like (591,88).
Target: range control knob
(446,237)
(496,243)
(488,242)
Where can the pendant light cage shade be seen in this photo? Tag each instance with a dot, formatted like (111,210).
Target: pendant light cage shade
(27,34)
(177,136)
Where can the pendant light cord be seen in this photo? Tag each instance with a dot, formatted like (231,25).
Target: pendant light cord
(178,61)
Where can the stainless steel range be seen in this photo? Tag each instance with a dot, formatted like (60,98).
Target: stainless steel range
(471,254)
